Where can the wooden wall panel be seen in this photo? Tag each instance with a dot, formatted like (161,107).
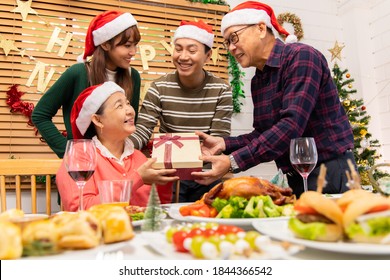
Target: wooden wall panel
(157,21)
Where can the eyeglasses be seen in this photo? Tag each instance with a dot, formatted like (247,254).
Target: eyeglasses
(233,38)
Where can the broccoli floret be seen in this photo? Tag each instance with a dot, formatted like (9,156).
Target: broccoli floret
(238,202)
(259,207)
(250,211)
(269,207)
(287,210)
(226,212)
(219,203)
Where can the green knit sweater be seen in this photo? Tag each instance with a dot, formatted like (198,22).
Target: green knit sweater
(63,94)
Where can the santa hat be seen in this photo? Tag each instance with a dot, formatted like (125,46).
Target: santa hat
(104,27)
(252,12)
(197,30)
(87,104)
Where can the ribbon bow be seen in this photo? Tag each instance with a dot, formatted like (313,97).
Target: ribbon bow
(166,138)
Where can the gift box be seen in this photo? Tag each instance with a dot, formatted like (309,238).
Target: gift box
(177,150)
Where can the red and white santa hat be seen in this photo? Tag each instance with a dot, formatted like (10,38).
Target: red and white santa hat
(104,27)
(197,30)
(252,12)
(87,104)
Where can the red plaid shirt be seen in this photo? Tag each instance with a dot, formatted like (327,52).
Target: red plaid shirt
(293,96)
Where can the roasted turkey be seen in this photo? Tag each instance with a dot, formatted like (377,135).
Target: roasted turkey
(247,187)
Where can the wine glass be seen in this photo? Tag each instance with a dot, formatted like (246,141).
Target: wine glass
(303,156)
(80,162)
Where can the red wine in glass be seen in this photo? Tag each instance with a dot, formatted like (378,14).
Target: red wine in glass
(80,162)
(81,175)
(304,168)
(303,157)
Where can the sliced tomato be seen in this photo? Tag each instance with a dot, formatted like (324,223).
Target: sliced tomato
(379,208)
(304,209)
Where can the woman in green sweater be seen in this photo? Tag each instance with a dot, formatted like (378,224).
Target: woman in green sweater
(112,39)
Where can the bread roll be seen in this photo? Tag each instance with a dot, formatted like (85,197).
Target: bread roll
(10,241)
(115,222)
(79,230)
(40,238)
(349,196)
(11,214)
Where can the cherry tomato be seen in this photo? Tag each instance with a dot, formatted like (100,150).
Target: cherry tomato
(195,232)
(225,229)
(209,232)
(204,211)
(194,212)
(178,239)
(185,210)
(213,212)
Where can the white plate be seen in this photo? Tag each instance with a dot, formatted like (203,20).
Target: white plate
(174,213)
(87,254)
(279,230)
(140,222)
(333,196)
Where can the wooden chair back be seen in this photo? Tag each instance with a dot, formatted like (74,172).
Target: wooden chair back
(27,167)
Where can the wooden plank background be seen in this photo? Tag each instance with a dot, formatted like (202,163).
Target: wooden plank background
(157,21)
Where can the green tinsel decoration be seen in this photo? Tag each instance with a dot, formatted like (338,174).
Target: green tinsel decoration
(236,83)
(216,2)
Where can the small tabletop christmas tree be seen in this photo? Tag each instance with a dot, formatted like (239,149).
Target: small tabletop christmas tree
(153,213)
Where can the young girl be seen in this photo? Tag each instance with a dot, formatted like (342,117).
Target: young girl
(112,39)
(103,113)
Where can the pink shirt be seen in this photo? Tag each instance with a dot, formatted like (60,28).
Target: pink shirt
(109,168)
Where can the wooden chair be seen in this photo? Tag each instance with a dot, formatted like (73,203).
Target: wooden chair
(16,168)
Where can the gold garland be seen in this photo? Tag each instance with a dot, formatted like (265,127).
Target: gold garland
(295,21)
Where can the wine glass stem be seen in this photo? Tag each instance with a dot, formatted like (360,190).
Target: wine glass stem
(305,184)
(80,185)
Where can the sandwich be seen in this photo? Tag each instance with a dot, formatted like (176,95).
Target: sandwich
(349,196)
(40,238)
(368,220)
(318,218)
(10,241)
(79,230)
(115,222)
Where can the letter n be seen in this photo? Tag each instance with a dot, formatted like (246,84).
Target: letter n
(40,71)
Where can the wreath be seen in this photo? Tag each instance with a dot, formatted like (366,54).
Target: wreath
(295,21)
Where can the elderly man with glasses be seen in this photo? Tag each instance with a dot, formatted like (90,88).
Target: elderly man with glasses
(294,96)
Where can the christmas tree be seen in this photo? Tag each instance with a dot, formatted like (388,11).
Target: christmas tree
(153,213)
(366,148)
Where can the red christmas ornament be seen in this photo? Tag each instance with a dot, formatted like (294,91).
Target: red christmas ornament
(363,108)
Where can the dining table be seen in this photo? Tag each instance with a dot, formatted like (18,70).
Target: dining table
(152,245)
